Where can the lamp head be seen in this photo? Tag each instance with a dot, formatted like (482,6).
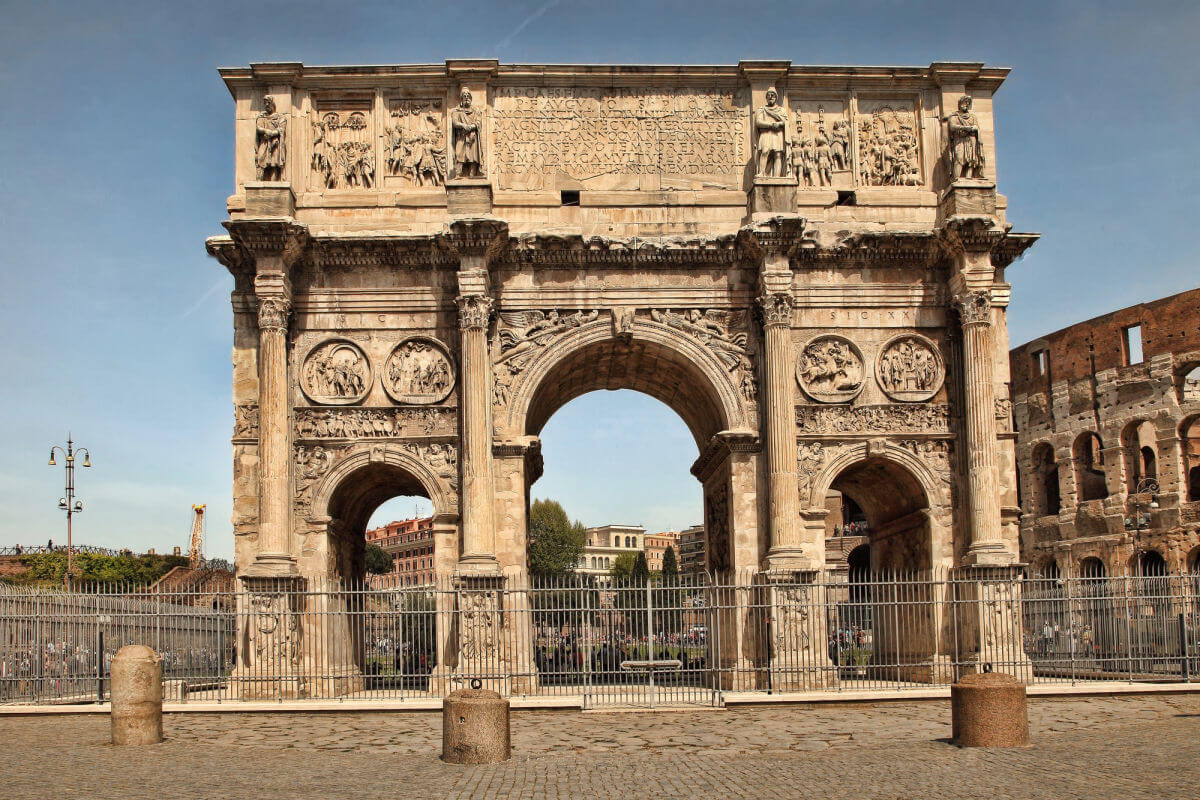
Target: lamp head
(79,505)
(62,502)
(87,460)
(52,457)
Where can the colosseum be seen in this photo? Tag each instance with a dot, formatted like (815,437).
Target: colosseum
(1108,447)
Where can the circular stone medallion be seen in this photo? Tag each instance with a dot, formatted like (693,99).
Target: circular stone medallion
(418,372)
(830,369)
(909,368)
(336,372)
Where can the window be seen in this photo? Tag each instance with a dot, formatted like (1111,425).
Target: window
(1132,339)
(616,541)
(1041,362)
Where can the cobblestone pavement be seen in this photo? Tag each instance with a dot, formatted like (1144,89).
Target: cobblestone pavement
(1104,747)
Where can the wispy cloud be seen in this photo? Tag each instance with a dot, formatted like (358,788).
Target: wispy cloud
(507,40)
(200,300)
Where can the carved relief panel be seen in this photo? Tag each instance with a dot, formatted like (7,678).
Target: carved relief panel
(419,371)
(414,143)
(909,368)
(888,143)
(343,145)
(336,372)
(606,137)
(830,369)
(820,150)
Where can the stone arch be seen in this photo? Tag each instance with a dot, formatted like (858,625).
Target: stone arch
(904,500)
(356,485)
(1139,451)
(1044,488)
(655,359)
(1088,459)
(1189,440)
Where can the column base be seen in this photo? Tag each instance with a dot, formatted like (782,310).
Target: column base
(271,565)
(791,559)
(478,566)
(987,554)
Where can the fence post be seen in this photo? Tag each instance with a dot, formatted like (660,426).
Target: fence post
(1183,648)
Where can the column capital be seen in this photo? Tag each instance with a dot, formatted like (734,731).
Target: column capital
(776,307)
(273,313)
(974,307)
(474,311)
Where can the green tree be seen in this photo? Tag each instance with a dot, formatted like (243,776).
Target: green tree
(555,542)
(622,568)
(378,561)
(670,567)
(641,570)
(49,568)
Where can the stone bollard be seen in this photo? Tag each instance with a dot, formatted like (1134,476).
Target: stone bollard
(137,696)
(989,710)
(475,727)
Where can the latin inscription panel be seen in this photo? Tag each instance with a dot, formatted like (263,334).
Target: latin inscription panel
(606,138)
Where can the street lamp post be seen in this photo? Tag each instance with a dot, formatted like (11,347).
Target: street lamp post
(69,503)
(1141,521)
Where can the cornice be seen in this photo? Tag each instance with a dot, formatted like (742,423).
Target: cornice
(908,248)
(719,447)
(1012,247)
(279,237)
(378,250)
(576,250)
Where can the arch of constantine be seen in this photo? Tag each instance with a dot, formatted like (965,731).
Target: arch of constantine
(806,263)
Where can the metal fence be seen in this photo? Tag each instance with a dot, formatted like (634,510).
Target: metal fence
(686,641)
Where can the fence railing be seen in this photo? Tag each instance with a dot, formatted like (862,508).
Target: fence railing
(691,640)
(40,549)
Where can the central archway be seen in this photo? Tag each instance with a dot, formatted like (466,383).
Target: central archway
(678,370)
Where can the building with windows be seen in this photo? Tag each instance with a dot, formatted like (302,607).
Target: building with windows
(410,544)
(1108,445)
(656,548)
(691,549)
(607,542)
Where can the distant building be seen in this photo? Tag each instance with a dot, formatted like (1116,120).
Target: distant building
(691,549)
(410,544)
(606,543)
(656,548)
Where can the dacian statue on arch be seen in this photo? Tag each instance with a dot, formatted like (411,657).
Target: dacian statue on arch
(965,148)
(770,122)
(466,123)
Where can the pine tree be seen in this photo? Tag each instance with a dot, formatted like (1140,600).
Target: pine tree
(670,567)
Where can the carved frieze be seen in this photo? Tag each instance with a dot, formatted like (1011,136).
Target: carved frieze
(934,452)
(336,372)
(598,135)
(270,142)
(914,418)
(273,633)
(790,620)
(888,144)
(909,368)
(414,142)
(419,371)
(830,369)
(369,423)
(343,151)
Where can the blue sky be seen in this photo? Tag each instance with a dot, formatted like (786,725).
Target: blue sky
(118,159)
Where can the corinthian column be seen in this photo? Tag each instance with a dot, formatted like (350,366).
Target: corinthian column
(479,533)
(783,489)
(983,485)
(274,446)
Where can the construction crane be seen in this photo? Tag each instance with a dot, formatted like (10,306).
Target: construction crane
(196,548)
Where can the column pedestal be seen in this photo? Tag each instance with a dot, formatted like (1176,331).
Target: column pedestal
(269,640)
(990,624)
(799,655)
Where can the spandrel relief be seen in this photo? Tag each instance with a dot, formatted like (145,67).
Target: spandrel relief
(609,137)
(520,335)
(715,329)
(820,147)
(336,373)
(343,150)
(419,372)
(909,368)
(830,369)
(414,143)
(888,144)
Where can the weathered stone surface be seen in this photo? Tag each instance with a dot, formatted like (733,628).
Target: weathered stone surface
(475,727)
(137,696)
(989,709)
